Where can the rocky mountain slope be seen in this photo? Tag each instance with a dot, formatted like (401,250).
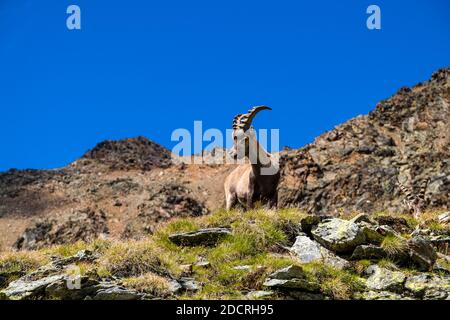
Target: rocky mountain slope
(355,167)
(124,189)
(259,254)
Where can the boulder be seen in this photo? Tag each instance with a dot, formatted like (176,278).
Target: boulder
(23,289)
(422,253)
(307,250)
(339,235)
(428,285)
(202,237)
(189,284)
(114,292)
(290,278)
(385,280)
(371,232)
(369,252)
(174,286)
(71,288)
(288,273)
(381,295)
(292,284)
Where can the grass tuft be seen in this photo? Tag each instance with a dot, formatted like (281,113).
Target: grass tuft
(135,258)
(393,245)
(149,283)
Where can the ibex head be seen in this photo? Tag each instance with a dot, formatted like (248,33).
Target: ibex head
(242,132)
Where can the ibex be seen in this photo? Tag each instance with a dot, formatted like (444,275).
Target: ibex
(254,181)
(415,202)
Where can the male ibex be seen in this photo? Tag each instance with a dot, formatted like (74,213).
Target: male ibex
(257,180)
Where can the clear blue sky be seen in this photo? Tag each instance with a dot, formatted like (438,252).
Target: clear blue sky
(148,67)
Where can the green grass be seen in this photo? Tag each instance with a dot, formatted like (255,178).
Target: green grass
(135,258)
(394,245)
(15,264)
(337,284)
(256,239)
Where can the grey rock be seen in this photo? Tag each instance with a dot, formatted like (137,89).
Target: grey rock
(428,285)
(301,295)
(290,278)
(260,294)
(371,232)
(444,217)
(422,253)
(381,295)
(292,284)
(23,289)
(386,280)
(114,292)
(339,235)
(369,252)
(206,237)
(43,271)
(307,250)
(189,284)
(287,273)
(71,288)
(174,286)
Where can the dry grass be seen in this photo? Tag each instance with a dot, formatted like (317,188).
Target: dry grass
(149,283)
(393,245)
(135,258)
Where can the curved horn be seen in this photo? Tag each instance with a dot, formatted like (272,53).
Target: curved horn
(246,119)
(237,121)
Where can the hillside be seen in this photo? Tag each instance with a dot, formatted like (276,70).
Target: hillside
(133,224)
(260,254)
(351,168)
(124,188)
